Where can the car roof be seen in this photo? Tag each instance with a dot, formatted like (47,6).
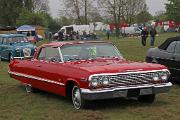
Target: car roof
(168,41)
(12,35)
(59,44)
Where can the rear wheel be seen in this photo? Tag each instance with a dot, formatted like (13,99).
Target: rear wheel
(30,89)
(77,99)
(146,98)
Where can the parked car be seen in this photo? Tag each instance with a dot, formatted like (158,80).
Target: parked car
(127,31)
(15,46)
(89,71)
(167,54)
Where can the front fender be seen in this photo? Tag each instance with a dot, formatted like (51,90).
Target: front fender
(82,83)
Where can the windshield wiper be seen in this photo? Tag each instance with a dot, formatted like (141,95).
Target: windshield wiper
(107,57)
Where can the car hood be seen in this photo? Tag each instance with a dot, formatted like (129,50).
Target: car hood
(114,66)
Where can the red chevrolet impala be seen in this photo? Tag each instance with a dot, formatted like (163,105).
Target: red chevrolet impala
(89,71)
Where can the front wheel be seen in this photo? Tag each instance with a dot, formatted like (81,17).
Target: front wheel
(77,99)
(146,98)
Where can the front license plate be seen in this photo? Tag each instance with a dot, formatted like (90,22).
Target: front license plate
(133,93)
(146,91)
(121,93)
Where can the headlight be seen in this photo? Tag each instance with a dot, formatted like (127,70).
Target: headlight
(105,80)
(163,75)
(99,81)
(17,49)
(156,77)
(94,82)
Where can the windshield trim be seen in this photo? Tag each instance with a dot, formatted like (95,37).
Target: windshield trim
(61,56)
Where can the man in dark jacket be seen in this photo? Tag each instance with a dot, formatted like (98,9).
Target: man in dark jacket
(152,35)
(60,36)
(144,35)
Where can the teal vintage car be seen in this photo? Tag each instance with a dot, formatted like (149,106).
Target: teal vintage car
(15,46)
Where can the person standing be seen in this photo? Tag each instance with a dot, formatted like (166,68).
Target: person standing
(144,35)
(50,36)
(152,35)
(60,36)
(108,34)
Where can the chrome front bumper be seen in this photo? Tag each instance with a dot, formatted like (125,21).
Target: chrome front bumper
(125,91)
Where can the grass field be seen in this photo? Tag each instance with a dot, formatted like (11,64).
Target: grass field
(16,104)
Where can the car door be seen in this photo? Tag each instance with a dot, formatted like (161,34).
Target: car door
(177,60)
(4,47)
(47,67)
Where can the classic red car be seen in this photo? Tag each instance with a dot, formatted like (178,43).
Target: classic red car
(89,71)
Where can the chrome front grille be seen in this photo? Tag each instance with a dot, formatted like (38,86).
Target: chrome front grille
(131,79)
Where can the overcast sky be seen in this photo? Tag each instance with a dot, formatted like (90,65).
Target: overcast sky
(153,5)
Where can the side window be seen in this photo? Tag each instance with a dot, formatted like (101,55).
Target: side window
(52,54)
(42,54)
(0,40)
(177,49)
(5,40)
(10,40)
(171,47)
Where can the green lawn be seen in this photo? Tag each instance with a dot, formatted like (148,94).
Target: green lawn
(16,104)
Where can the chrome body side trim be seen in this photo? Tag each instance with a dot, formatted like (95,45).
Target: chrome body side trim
(36,78)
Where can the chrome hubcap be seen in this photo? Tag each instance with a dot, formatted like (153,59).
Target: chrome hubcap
(76,97)
(28,88)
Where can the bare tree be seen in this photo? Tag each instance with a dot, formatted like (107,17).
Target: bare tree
(72,8)
(40,6)
(36,5)
(80,10)
(132,8)
(114,8)
(122,10)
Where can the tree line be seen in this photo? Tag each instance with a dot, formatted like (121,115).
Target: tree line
(36,12)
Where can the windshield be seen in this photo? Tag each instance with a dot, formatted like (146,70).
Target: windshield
(18,39)
(89,51)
